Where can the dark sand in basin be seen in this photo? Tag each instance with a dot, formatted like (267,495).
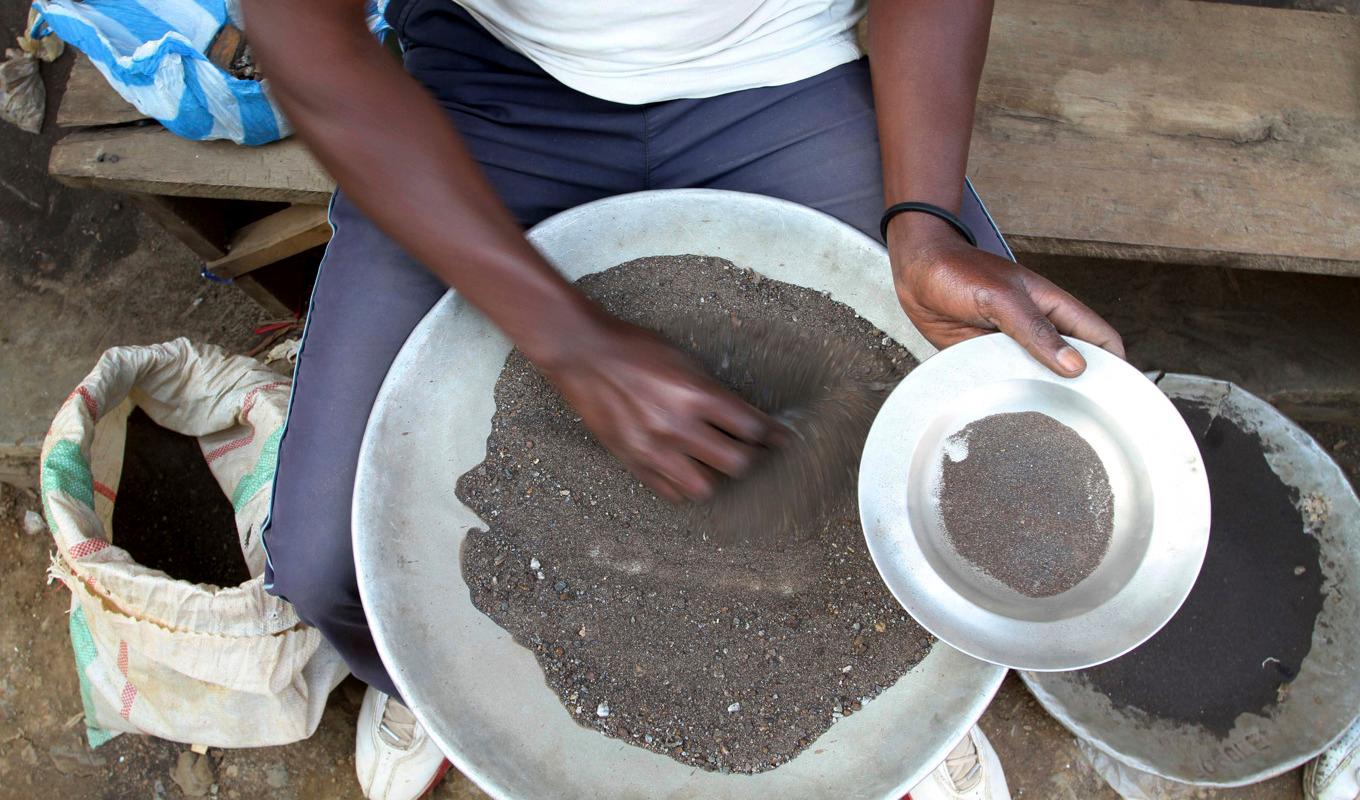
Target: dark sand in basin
(726,658)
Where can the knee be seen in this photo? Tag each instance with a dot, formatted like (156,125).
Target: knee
(315,573)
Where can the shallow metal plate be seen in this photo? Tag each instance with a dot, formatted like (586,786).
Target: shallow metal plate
(483,697)
(1161,506)
(1322,700)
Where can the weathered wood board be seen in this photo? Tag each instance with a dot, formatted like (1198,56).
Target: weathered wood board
(1175,131)
(1163,130)
(277,236)
(90,101)
(152,160)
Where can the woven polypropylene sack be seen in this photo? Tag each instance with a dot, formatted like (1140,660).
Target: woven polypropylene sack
(220,666)
(154,54)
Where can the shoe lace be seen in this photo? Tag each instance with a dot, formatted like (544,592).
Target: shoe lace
(398,724)
(964,765)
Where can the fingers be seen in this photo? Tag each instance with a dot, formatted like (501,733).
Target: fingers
(739,419)
(710,446)
(687,476)
(686,465)
(1073,317)
(658,483)
(689,461)
(1016,314)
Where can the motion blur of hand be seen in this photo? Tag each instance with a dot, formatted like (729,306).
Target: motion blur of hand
(953,291)
(673,426)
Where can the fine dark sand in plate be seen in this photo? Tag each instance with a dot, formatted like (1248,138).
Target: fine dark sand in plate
(1247,625)
(728,658)
(1030,505)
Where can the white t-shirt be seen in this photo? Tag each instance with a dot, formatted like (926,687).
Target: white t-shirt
(641,51)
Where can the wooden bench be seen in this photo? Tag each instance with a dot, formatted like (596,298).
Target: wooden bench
(192,188)
(1154,130)
(1176,131)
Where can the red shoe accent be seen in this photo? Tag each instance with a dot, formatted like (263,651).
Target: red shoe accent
(438,776)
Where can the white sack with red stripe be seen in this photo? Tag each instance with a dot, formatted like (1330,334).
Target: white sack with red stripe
(218,666)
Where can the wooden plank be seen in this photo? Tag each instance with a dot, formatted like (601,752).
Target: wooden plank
(1174,130)
(226,46)
(90,100)
(277,236)
(291,279)
(192,220)
(1156,254)
(1163,130)
(203,229)
(151,160)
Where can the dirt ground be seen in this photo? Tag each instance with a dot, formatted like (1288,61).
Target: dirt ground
(81,271)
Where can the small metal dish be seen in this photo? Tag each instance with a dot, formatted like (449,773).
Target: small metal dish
(1161,506)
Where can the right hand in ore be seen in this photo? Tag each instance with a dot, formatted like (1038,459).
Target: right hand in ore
(673,426)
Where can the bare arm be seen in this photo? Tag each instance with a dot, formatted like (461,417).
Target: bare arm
(926,57)
(401,161)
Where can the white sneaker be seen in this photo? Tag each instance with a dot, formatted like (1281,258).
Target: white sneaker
(1335,775)
(393,756)
(971,771)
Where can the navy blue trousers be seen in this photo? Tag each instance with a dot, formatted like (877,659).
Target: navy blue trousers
(545,148)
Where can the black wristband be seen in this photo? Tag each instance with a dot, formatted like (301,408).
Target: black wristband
(925,208)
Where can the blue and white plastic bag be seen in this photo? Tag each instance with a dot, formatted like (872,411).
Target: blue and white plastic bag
(154,54)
